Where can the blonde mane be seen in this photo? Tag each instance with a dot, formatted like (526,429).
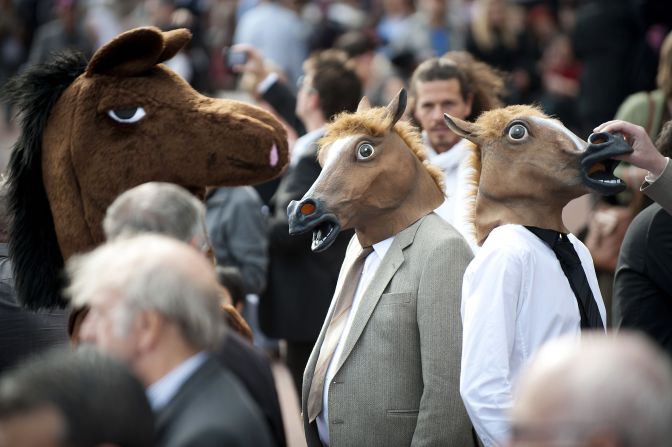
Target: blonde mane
(374,122)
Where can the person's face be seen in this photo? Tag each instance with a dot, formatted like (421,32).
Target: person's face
(433,99)
(42,427)
(105,326)
(305,97)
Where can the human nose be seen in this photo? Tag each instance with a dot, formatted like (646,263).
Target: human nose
(437,113)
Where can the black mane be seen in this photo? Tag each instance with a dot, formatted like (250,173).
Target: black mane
(33,248)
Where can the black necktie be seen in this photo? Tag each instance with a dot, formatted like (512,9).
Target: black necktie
(573,270)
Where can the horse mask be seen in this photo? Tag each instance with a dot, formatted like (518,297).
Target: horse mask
(92,131)
(529,166)
(375,178)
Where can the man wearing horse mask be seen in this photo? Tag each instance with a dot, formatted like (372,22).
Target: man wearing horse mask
(531,281)
(385,368)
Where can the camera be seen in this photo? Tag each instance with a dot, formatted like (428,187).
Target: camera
(234,58)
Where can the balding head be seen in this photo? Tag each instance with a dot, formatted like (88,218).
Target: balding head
(157,207)
(602,390)
(126,279)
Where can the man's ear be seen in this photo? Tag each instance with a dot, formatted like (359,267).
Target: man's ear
(148,326)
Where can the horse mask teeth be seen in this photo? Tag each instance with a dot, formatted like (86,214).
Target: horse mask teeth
(598,164)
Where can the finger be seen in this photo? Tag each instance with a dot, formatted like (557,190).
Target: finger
(601,127)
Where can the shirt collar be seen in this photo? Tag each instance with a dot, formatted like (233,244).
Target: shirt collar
(550,237)
(162,391)
(383,246)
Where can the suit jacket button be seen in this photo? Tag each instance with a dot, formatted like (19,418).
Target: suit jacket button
(337,421)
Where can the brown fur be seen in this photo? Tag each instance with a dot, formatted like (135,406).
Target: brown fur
(88,158)
(186,138)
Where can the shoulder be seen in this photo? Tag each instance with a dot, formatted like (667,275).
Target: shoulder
(506,246)
(513,239)
(434,234)
(649,222)
(635,108)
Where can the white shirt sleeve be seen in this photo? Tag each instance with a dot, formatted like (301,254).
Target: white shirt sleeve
(490,298)
(651,177)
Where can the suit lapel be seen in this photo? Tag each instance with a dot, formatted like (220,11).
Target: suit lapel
(386,270)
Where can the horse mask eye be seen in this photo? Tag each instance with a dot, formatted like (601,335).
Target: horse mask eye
(517,132)
(364,151)
(128,115)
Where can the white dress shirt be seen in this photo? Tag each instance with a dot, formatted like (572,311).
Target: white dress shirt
(515,297)
(651,177)
(162,391)
(371,264)
(457,207)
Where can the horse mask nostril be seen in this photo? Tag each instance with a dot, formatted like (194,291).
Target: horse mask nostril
(307,208)
(599,138)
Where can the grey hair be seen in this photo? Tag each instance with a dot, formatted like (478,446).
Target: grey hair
(157,207)
(621,385)
(152,272)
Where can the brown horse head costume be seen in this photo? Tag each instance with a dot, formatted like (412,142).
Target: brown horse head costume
(529,166)
(375,178)
(91,131)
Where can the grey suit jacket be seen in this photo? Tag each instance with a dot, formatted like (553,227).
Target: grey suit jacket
(397,380)
(661,190)
(211,409)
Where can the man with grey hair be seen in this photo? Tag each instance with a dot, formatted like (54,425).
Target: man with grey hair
(170,210)
(157,207)
(154,304)
(609,391)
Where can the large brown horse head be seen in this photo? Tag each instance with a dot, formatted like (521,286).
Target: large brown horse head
(529,166)
(375,178)
(93,130)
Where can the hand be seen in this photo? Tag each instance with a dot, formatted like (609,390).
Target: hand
(254,64)
(645,154)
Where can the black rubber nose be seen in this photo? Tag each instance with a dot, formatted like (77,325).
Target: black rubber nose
(600,138)
(302,213)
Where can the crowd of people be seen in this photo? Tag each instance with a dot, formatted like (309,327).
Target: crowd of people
(461,337)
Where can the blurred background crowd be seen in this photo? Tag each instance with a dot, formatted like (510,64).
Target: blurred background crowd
(578,59)
(582,61)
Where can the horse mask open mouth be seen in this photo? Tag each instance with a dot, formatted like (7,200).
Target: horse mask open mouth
(598,164)
(310,215)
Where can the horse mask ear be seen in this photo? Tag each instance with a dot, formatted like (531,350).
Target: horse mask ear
(364,104)
(136,51)
(462,128)
(396,108)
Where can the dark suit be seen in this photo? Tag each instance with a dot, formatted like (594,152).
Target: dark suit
(211,409)
(251,367)
(642,298)
(283,100)
(24,332)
